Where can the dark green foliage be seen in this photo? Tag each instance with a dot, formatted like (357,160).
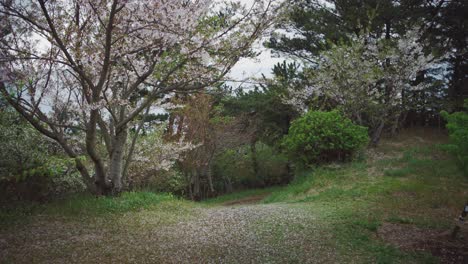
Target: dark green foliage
(324,137)
(445,32)
(273,166)
(457,125)
(263,107)
(234,167)
(31,168)
(23,149)
(319,26)
(170,181)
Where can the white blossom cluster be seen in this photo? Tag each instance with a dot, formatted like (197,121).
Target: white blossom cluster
(367,74)
(153,45)
(153,153)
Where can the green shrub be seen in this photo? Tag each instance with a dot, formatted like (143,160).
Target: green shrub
(166,181)
(272,166)
(457,125)
(234,168)
(320,137)
(31,167)
(22,149)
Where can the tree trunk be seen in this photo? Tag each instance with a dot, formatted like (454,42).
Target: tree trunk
(116,161)
(210,177)
(395,125)
(100,181)
(196,185)
(289,171)
(456,89)
(188,178)
(359,118)
(130,151)
(253,149)
(377,134)
(102,184)
(228,185)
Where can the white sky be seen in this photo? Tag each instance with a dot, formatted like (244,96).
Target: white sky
(248,68)
(254,67)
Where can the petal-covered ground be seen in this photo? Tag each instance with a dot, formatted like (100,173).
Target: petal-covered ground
(263,233)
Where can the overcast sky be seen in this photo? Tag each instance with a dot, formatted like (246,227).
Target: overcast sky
(247,68)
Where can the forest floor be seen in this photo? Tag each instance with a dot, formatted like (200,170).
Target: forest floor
(396,204)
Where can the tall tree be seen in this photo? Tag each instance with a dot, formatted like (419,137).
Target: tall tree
(94,66)
(311,26)
(445,31)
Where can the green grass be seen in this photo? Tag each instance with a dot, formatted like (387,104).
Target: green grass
(91,206)
(398,172)
(126,202)
(422,187)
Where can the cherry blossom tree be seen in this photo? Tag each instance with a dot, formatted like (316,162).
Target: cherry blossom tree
(367,79)
(82,71)
(154,154)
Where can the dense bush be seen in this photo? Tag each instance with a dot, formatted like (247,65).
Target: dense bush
(234,168)
(23,149)
(170,181)
(323,137)
(31,168)
(272,166)
(457,125)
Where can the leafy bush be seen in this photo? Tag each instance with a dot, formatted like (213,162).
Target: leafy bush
(272,166)
(30,166)
(57,176)
(323,137)
(170,181)
(234,167)
(23,149)
(457,125)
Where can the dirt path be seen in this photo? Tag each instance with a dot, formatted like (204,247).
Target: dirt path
(273,233)
(247,200)
(247,234)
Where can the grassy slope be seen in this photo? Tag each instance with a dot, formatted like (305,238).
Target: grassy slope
(406,180)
